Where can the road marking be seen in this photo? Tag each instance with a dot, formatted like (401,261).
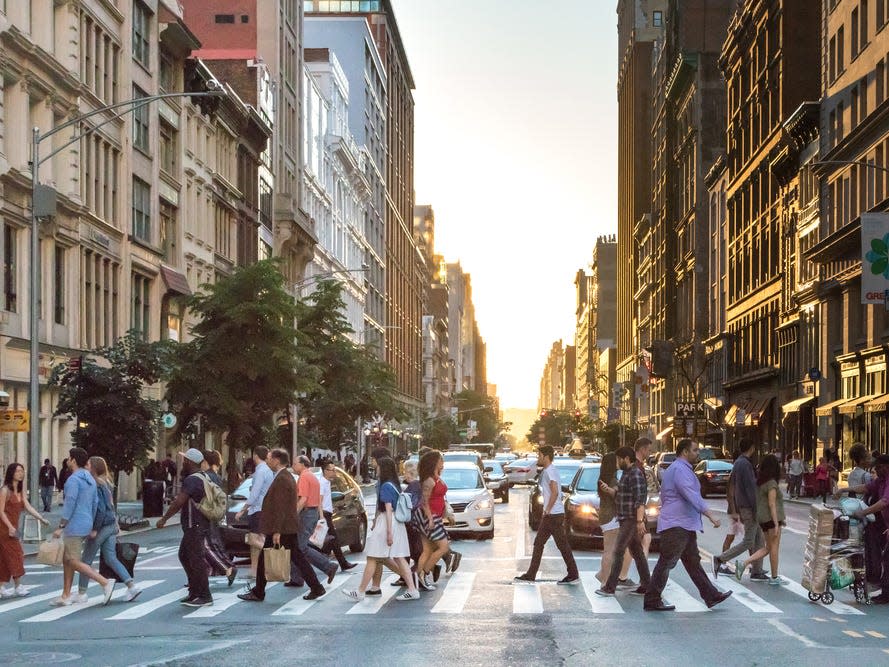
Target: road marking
(781,627)
(599,604)
(146,608)
(747,597)
(456,593)
(526,599)
(820,620)
(874,633)
(852,633)
(371,605)
(216,647)
(221,603)
(836,607)
(683,601)
(94,601)
(28,601)
(298,606)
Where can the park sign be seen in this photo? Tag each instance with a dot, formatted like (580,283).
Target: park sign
(874,257)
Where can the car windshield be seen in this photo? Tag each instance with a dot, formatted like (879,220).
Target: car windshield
(589,479)
(243,490)
(462,478)
(668,458)
(495,466)
(567,470)
(719,465)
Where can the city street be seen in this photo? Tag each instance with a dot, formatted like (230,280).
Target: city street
(476,617)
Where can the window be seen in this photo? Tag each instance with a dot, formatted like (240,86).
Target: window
(881,14)
(141,31)
(657,19)
(168,140)
(140,300)
(855,26)
(59,285)
(265,203)
(140,121)
(167,76)
(841,48)
(169,233)
(99,302)
(10,267)
(141,210)
(864,24)
(225,18)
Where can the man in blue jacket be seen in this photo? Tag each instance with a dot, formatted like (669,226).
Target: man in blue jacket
(78,512)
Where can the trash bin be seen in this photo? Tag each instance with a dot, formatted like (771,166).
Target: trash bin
(152,498)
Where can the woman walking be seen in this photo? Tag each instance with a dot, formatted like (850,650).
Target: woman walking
(436,544)
(103,537)
(822,479)
(860,460)
(12,559)
(770,516)
(608,520)
(387,543)
(218,562)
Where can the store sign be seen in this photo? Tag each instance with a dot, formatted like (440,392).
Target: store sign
(874,257)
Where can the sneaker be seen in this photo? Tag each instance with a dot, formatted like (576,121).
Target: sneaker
(778,581)
(436,572)
(250,596)
(354,596)
(759,576)
(569,581)
(717,566)
(524,579)
(399,582)
(604,593)
(80,598)
(454,563)
(7,592)
(447,558)
(198,602)
(109,589)
(407,595)
(725,569)
(61,602)
(425,583)
(132,593)
(722,597)
(373,591)
(21,592)
(638,591)
(739,570)
(314,595)
(626,583)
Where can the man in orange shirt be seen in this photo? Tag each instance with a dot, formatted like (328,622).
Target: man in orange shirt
(308,504)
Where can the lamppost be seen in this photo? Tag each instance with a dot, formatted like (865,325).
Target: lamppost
(43,204)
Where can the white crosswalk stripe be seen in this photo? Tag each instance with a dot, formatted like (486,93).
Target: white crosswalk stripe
(836,607)
(526,599)
(298,606)
(371,605)
(222,602)
(456,593)
(94,601)
(599,604)
(746,597)
(145,608)
(676,595)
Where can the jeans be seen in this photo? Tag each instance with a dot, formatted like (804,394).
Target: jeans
(679,544)
(308,520)
(46,497)
(552,525)
(105,542)
(794,482)
(627,537)
(191,555)
(334,540)
(753,540)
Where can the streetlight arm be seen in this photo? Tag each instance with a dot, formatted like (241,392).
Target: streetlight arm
(860,163)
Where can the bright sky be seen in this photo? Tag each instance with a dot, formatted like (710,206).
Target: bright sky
(516,151)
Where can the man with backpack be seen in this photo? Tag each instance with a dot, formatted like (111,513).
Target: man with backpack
(199,502)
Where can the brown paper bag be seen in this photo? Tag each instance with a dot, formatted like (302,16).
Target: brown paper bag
(277,564)
(51,552)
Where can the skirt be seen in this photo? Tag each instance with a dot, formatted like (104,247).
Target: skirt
(437,532)
(376,546)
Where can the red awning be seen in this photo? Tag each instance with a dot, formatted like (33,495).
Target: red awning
(175,281)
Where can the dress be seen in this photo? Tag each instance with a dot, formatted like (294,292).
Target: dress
(376,546)
(12,559)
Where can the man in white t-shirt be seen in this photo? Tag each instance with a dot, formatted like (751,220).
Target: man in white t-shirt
(552,522)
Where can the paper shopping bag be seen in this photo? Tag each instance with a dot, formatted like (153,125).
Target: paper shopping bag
(51,552)
(277,563)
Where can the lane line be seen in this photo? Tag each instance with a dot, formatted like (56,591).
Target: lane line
(520,539)
(745,596)
(782,628)
(526,599)
(684,602)
(146,608)
(371,605)
(298,606)
(95,601)
(836,607)
(221,603)
(28,601)
(874,633)
(456,593)
(852,633)
(598,604)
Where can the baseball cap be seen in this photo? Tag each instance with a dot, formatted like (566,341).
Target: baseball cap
(193,455)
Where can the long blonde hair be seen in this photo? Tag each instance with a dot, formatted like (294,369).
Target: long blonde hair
(99,469)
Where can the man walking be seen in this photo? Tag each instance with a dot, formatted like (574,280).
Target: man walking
(308,491)
(262,480)
(279,522)
(195,527)
(744,497)
(632,494)
(78,513)
(48,481)
(552,522)
(328,473)
(678,526)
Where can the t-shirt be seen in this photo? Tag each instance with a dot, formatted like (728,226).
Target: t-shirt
(547,475)
(795,467)
(388,493)
(326,497)
(763,513)
(878,488)
(190,516)
(309,488)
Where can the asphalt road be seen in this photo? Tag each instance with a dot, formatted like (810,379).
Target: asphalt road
(477,617)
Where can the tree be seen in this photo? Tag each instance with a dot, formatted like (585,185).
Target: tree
(104,396)
(480,409)
(557,426)
(439,432)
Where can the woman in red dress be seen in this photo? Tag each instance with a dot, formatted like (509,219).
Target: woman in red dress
(12,501)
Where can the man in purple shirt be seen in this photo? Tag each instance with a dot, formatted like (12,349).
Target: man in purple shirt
(878,488)
(678,525)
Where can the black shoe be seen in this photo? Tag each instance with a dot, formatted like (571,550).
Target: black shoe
(454,563)
(638,591)
(198,602)
(188,598)
(569,581)
(880,599)
(347,566)
(314,595)
(524,579)
(659,606)
(233,573)
(373,591)
(436,572)
(331,573)
(399,582)
(722,597)
(293,584)
(759,576)
(250,596)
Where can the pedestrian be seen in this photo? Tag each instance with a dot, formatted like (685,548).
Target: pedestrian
(215,554)
(877,492)
(64,474)
(48,479)
(744,487)
(678,525)
(308,491)
(78,513)
(387,543)
(796,468)
(13,499)
(608,485)
(414,526)
(859,476)
(437,544)
(632,494)
(262,479)
(195,527)
(643,449)
(279,522)
(769,516)
(822,479)
(328,473)
(736,526)
(103,537)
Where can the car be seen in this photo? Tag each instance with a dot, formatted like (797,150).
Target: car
(505,457)
(566,467)
(582,508)
(349,514)
(494,474)
(521,471)
(467,456)
(662,462)
(711,454)
(470,499)
(713,476)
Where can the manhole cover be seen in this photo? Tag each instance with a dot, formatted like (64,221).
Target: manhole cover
(37,658)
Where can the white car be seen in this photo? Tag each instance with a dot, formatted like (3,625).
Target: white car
(521,471)
(471,500)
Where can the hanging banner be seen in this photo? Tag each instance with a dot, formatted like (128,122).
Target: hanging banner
(874,257)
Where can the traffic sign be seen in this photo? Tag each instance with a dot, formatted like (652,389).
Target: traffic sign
(15,420)
(169,420)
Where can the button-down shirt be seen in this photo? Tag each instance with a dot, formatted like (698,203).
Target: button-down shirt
(81,501)
(681,501)
(262,480)
(326,497)
(631,493)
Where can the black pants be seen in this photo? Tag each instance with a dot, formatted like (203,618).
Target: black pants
(191,555)
(552,525)
(296,556)
(333,541)
(679,544)
(627,537)
(301,570)
(215,555)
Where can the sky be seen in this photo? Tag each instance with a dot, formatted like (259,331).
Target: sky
(516,151)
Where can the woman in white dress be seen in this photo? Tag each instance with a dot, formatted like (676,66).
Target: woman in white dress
(387,543)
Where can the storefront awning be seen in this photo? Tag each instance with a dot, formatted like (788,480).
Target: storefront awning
(796,404)
(851,407)
(175,281)
(730,415)
(827,408)
(664,433)
(713,402)
(753,409)
(878,404)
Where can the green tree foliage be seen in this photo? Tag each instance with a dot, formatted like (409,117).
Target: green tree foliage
(480,409)
(439,432)
(557,426)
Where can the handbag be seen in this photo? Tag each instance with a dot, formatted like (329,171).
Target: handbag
(319,534)
(449,514)
(255,540)
(277,563)
(51,552)
(126,553)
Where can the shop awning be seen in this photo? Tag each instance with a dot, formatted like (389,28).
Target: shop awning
(796,404)
(175,281)
(827,408)
(756,409)
(664,433)
(851,407)
(713,402)
(730,415)
(878,404)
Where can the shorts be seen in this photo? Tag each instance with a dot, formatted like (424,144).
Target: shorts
(769,525)
(437,532)
(74,547)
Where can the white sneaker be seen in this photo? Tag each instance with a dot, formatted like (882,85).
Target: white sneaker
(80,598)
(61,602)
(354,596)
(21,591)
(132,593)
(109,589)
(7,592)
(407,595)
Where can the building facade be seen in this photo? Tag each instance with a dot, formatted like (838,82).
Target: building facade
(551,379)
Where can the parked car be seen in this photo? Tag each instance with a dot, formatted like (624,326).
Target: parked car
(494,474)
(582,508)
(713,476)
(521,471)
(471,500)
(467,456)
(349,514)
(567,467)
(662,462)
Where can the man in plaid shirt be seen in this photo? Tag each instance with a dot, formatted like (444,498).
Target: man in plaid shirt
(632,494)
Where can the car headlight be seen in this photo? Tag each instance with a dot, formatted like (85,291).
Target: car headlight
(652,511)
(587,509)
(483,504)
(538,500)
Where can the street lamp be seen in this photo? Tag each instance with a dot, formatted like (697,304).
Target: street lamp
(43,204)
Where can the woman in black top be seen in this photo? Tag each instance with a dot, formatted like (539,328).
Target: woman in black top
(608,521)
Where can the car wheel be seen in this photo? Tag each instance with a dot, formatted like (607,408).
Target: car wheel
(358,546)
